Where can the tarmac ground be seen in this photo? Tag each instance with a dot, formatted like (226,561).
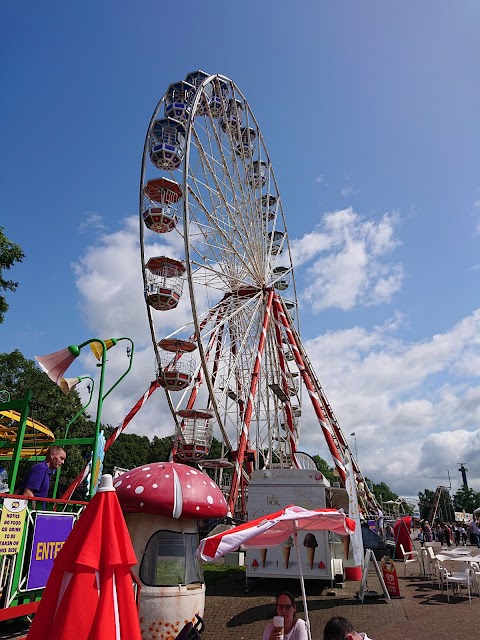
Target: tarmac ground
(421,611)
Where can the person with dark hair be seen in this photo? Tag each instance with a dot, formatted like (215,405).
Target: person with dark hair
(339,628)
(37,481)
(294,628)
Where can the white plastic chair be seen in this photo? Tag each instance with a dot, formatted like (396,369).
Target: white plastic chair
(433,565)
(458,573)
(408,556)
(436,546)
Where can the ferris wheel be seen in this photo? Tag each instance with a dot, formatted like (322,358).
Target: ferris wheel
(236,370)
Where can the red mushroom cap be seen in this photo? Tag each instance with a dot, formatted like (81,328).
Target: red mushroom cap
(170,489)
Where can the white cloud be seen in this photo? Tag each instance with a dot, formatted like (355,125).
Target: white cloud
(93,221)
(414,406)
(346,190)
(350,267)
(319,179)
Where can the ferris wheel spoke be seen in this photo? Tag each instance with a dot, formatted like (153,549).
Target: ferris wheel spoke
(210,228)
(236,254)
(241,204)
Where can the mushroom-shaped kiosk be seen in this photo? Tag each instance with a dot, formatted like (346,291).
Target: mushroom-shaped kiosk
(162,503)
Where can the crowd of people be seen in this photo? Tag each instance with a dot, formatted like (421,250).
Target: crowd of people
(294,628)
(451,533)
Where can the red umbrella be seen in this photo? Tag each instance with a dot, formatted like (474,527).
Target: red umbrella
(275,528)
(89,594)
(401,530)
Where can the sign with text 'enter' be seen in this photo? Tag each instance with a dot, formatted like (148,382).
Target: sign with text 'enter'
(49,535)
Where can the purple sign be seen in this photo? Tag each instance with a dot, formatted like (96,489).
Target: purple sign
(50,532)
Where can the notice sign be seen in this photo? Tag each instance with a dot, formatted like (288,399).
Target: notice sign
(12,524)
(390,577)
(51,531)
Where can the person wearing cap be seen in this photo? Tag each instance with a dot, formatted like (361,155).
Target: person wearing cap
(339,628)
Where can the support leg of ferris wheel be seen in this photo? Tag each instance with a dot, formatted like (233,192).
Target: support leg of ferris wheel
(292,435)
(341,441)
(237,474)
(123,425)
(305,372)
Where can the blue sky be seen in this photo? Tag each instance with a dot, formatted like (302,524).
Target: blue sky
(370,115)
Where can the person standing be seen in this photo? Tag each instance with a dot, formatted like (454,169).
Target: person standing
(36,483)
(339,628)
(475,533)
(380,522)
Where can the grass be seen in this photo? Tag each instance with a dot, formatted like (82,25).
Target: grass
(215,573)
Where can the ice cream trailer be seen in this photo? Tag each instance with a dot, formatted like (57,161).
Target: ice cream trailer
(322,557)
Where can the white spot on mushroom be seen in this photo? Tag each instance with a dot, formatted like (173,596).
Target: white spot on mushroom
(189,486)
(197,508)
(209,499)
(167,475)
(155,485)
(148,475)
(141,504)
(204,482)
(129,486)
(127,476)
(194,472)
(145,468)
(117,484)
(140,489)
(213,485)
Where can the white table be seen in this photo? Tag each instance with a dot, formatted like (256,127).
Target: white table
(460,551)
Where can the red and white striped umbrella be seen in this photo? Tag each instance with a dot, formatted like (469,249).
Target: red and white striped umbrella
(275,528)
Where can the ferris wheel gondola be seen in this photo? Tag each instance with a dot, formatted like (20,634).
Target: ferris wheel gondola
(205,156)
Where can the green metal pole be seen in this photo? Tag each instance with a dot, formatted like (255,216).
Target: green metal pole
(99,413)
(23,406)
(77,415)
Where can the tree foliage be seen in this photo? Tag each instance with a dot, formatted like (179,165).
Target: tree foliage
(383,492)
(323,467)
(9,254)
(467,499)
(49,406)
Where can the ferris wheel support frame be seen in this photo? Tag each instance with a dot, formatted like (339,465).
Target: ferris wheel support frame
(288,406)
(237,474)
(306,373)
(342,441)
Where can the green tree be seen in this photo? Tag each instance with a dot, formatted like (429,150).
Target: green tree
(383,492)
(323,467)
(425,503)
(160,449)
(49,406)
(128,452)
(9,254)
(467,499)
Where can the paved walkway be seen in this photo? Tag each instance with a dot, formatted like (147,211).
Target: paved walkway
(421,611)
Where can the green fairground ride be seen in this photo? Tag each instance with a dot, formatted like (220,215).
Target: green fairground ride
(32,531)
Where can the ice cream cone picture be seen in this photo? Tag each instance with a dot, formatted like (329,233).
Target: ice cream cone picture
(263,557)
(346,546)
(255,565)
(286,549)
(310,543)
